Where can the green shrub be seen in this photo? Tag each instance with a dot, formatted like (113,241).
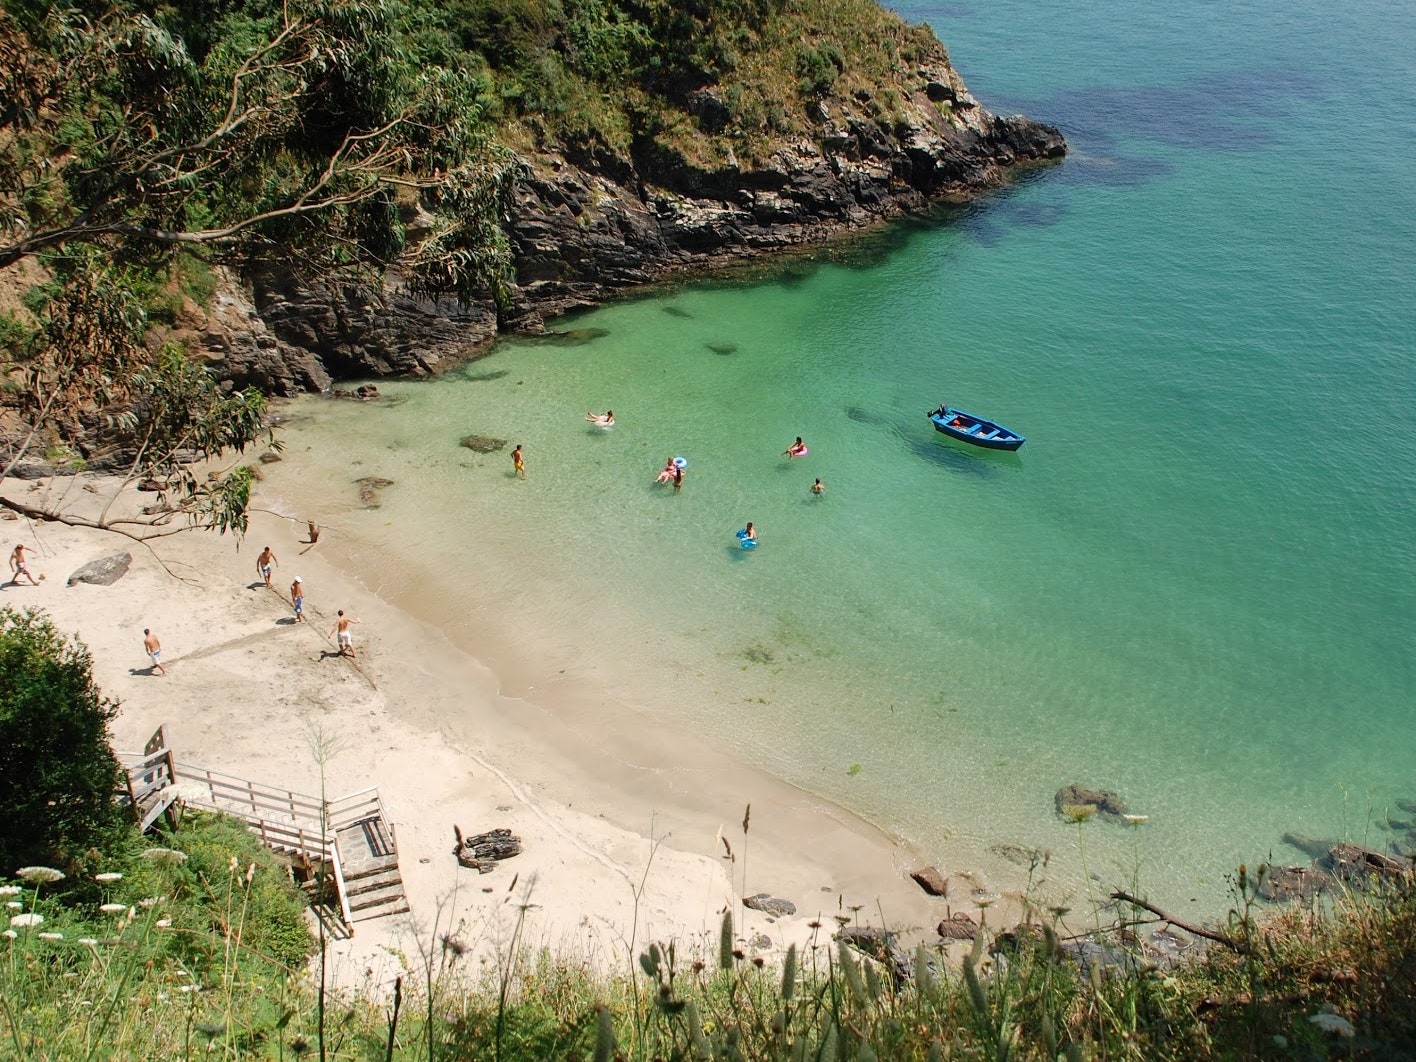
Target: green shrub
(58,777)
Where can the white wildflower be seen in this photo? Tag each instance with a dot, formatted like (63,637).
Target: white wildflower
(149,901)
(14,905)
(189,988)
(50,936)
(1136,820)
(1333,1023)
(90,941)
(10,890)
(164,923)
(113,908)
(9,934)
(24,920)
(39,875)
(164,856)
(108,876)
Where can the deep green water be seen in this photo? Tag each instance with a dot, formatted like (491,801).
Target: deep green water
(1196,584)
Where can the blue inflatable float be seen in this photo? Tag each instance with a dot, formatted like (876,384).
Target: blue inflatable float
(744,541)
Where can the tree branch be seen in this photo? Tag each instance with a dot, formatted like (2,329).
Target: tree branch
(1189,927)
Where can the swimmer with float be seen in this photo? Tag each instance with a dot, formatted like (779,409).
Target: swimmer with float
(747,537)
(796,449)
(672,471)
(601,420)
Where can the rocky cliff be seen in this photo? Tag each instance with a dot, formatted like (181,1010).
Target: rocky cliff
(590,223)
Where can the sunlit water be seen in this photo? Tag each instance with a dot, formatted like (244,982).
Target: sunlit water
(1193,585)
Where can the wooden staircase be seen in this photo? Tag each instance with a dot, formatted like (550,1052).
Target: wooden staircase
(348,842)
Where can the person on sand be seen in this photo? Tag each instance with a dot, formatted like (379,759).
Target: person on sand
(818,488)
(678,479)
(264,562)
(796,449)
(601,420)
(667,472)
(518,462)
(343,635)
(154,651)
(297,598)
(19,565)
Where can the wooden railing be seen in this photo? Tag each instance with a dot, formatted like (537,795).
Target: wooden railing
(147,780)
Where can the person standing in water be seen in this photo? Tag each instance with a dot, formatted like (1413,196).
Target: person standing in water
(518,462)
(818,488)
(750,532)
(678,479)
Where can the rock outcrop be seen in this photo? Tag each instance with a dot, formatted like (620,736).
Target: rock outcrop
(589,223)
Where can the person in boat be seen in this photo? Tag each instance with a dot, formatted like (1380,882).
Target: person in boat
(957,422)
(796,449)
(601,420)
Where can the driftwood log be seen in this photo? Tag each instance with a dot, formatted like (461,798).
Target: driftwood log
(482,851)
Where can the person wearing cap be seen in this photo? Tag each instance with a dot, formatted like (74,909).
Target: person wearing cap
(297,595)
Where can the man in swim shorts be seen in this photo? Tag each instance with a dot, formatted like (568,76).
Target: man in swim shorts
(264,562)
(344,635)
(19,565)
(818,488)
(154,651)
(297,596)
(517,462)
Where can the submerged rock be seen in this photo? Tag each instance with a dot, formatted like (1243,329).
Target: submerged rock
(369,488)
(1099,801)
(1282,884)
(1312,847)
(722,348)
(482,444)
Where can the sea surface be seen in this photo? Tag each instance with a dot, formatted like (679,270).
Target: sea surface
(1195,585)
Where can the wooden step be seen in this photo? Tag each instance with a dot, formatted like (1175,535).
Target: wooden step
(373,883)
(377,898)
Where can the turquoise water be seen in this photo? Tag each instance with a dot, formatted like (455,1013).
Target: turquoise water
(1195,584)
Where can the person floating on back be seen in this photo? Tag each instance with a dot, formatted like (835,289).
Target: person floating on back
(796,449)
(601,420)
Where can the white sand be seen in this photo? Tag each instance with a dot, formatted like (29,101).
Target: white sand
(617,853)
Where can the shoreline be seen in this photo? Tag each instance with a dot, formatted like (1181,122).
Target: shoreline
(618,851)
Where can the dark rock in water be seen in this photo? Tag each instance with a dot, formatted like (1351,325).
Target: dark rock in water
(1407,805)
(1281,884)
(675,311)
(1089,955)
(1357,865)
(881,945)
(1405,849)
(103,572)
(771,905)
(1312,847)
(369,488)
(483,444)
(957,927)
(932,881)
(485,377)
(571,337)
(722,348)
(1100,801)
(1017,854)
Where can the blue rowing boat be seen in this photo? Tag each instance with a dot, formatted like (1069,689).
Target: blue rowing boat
(968,428)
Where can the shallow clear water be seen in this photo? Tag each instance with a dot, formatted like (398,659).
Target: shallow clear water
(1195,584)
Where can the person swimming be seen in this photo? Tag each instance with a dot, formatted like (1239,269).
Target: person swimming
(818,488)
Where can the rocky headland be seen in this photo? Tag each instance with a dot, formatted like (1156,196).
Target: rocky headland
(590,222)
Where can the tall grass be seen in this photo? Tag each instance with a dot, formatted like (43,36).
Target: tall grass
(184,961)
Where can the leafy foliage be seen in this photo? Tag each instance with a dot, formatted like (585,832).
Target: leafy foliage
(58,777)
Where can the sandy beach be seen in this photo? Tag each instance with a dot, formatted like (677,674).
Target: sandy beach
(619,848)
